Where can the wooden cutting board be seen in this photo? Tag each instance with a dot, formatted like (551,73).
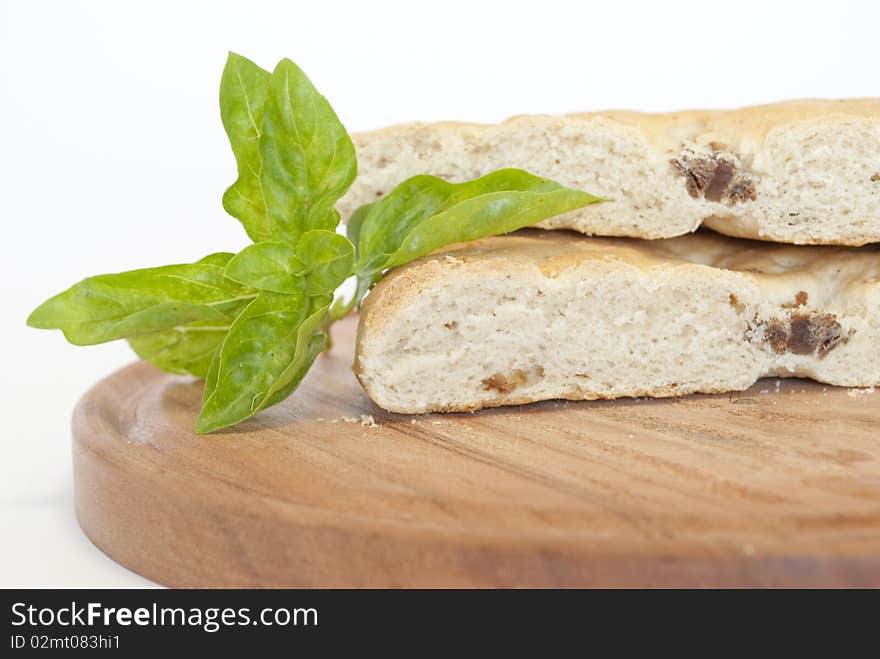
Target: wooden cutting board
(775,486)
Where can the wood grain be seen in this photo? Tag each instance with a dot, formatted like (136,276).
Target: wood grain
(759,488)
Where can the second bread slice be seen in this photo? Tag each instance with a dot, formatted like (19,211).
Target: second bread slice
(542,315)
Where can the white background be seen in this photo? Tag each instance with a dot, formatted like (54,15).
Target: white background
(113,155)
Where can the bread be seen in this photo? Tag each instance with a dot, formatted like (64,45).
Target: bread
(802,172)
(542,315)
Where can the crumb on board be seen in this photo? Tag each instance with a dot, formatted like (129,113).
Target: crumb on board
(856,392)
(366,420)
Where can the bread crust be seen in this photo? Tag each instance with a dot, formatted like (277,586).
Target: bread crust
(748,123)
(789,193)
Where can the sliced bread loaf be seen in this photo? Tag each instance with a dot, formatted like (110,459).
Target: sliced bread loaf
(801,172)
(541,315)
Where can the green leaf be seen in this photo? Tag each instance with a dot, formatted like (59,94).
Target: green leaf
(265,354)
(318,264)
(353,226)
(186,349)
(220,259)
(269,266)
(308,159)
(425,213)
(310,342)
(243,90)
(109,307)
(329,260)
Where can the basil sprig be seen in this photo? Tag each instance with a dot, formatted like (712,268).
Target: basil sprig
(253,323)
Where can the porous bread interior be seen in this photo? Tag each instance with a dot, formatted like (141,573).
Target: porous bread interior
(541,316)
(819,183)
(815,167)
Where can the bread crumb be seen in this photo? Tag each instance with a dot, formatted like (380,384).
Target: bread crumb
(764,391)
(749,549)
(366,420)
(860,393)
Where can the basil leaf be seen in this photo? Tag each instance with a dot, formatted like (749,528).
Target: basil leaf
(186,349)
(329,260)
(318,264)
(243,90)
(353,226)
(308,159)
(311,340)
(109,307)
(220,259)
(425,213)
(266,351)
(269,266)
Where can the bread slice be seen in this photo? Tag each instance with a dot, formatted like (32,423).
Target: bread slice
(802,172)
(541,315)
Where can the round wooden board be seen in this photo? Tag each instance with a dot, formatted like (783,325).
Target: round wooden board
(760,488)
